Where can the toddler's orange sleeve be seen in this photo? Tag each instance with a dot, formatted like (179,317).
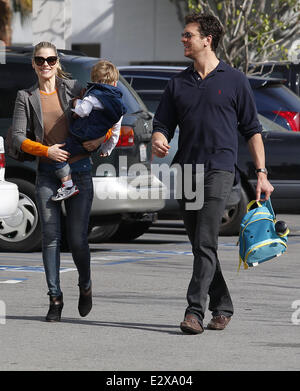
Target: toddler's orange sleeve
(34,148)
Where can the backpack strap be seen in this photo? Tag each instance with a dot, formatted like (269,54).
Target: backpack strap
(244,262)
(268,205)
(252,203)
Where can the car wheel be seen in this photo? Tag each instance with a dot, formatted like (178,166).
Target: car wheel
(101,233)
(22,231)
(128,231)
(233,215)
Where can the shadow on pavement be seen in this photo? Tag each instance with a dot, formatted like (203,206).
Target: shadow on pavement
(138,326)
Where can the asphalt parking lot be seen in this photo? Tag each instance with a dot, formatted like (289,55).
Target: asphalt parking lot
(139,301)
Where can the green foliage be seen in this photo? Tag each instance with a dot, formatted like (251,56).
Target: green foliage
(255,30)
(22,6)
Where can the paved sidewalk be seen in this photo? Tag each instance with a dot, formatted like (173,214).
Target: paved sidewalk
(139,301)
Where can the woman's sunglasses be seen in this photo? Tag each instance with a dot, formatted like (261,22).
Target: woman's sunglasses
(52,60)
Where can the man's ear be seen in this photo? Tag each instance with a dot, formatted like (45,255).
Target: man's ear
(208,40)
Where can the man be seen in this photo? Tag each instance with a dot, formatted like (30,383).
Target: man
(209,101)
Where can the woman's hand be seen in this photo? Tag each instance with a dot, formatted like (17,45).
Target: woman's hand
(91,145)
(57,154)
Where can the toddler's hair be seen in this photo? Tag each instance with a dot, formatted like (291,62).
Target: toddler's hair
(104,72)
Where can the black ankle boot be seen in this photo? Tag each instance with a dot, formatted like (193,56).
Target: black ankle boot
(85,301)
(55,308)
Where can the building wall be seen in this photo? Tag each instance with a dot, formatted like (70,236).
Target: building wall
(94,24)
(21,32)
(127,31)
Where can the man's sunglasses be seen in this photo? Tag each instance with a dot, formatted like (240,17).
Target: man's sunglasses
(52,60)
(187,35)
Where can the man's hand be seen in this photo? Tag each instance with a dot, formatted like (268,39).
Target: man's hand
(160,145)
(263,186)
(57,154)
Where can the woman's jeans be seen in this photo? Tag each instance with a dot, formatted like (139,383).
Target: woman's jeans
(202,227)
(78,212)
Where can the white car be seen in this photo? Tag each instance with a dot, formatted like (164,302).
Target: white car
(9,193)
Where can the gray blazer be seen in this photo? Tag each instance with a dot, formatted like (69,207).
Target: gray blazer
(28,111)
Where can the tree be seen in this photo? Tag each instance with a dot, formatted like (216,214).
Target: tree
(255,30)
(6,8)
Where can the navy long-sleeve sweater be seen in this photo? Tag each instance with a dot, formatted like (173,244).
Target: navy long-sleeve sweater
(209,113)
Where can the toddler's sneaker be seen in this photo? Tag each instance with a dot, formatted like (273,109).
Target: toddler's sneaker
(65,192)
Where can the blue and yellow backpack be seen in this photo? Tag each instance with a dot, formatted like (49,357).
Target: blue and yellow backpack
(261,238)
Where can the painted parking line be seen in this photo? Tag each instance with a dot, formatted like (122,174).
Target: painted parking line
(37,258)
(101,260)
(109,258)
(5,280)
(165,252)
(130,260)
(35,269)
(115,260)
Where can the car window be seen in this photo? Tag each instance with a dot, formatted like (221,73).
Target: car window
(278,71)
(77,70)
(81,70)
(148,83)
(279,74)
(269,125)
(134,102)
(276,97)
(150,99)
(13,77)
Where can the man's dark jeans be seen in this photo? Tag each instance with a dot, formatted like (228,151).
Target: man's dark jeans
(202,227)
(77,220)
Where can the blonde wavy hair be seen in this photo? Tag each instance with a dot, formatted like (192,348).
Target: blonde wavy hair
(48,45)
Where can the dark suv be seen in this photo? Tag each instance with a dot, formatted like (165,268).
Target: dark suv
(287,70)
(290,72)
(122,207)
(273,99)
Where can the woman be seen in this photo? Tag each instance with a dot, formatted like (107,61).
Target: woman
(45,108)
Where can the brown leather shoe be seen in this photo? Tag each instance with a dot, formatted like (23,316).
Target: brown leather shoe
(218,322)
(191,325)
